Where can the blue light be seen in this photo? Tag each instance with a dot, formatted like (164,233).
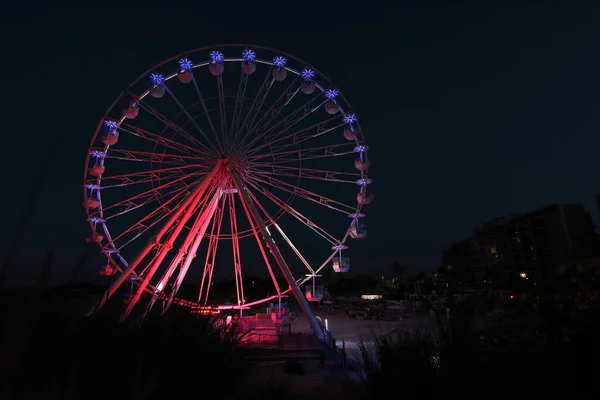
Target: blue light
(91,186)
(156,79)
(355,215)
(364,181)
(350,118)
(307,74)
(185,64)
(331,93)
(111,125)
(96,220)
(361,148)
(339,247)
(248,55)
(97,154)
(279,61)
(216,56)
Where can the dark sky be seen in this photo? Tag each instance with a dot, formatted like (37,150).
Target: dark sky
(471,113)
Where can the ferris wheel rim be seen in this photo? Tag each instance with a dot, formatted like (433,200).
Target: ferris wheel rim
(99,127)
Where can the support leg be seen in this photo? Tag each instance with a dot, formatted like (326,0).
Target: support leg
(278,257)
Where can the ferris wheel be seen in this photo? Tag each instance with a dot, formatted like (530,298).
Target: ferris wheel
(215,146)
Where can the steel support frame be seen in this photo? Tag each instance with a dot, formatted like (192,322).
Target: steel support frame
(270,243)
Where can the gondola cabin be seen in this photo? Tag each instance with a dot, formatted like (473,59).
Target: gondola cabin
(341,264)
(317,295)
(358,230)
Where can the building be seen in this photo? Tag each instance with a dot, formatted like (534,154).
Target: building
(525,245)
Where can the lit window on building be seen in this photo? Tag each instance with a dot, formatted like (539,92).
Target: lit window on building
(493,250)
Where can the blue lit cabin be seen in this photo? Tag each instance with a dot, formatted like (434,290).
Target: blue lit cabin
(341,265)
(317,295)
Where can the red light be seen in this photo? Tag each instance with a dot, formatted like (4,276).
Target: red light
(512,297)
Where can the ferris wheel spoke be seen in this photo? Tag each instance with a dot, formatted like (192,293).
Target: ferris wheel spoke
(308,195)
(281,232)
(147,157)
(237,261)
(202,148)
(151,219)
(306,173)
(178,219)
(193,241)
(275,109)
(267,132)
(294,138)
(295,213)
(164,248)
(156,175)
(211,253)
(254,109)
(238,108)
(191,119)
(256,233)
(170,144)
(309,153)
(222,111)
(145,197)
(206,112)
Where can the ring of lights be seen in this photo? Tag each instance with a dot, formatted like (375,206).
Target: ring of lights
(256,142)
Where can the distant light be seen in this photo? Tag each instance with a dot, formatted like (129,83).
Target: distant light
(216,56)
(361,148)
(156,79)
(92,186)
(307,74)
(356,215)
(371,297)
(364,181)
(523,275)
(279,61)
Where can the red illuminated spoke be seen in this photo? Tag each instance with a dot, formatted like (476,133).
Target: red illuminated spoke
(148,157)
(187,251)
(164,249)
(237,261)
(152,218)
(202,148)
(168,143)
(141,199)
(311,153)
(211,253)
(305,173)
(259,242)
(156,175)
(295,213)
(310,196)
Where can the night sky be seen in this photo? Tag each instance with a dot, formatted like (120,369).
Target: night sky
(470,113)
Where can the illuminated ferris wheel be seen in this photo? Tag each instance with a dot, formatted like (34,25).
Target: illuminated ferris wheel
(215,146)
